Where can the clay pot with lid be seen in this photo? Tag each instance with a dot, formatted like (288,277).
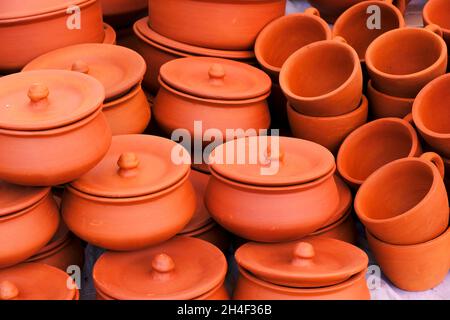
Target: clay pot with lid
(36,281)
(313,268)
(119,69)
(182,268)
(287,193)
(123,13)
(58,21)
(137,176)
(46,117)
(385,106)
(28,219)
(438,12)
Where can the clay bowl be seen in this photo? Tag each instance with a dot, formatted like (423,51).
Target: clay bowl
(384,106)
(431,114)
(438,12)
(352,24)
(123,13)
(323,79)
(327,131)
(401,62)
(285,35)
(416,267)
(218,24)
(410,209)
(373,145)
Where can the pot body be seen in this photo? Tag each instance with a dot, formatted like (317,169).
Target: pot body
(53,157)
(385,106)
(344,229)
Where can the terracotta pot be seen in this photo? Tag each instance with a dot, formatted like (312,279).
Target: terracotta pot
(272,206)
(323,79)
(138,177)
(375,144)
(56,111)
(317,268)
(384,106)
(402,61)
(327,131)
(28,219)
(431,112)
(182,268)
(410,209)
(438,12)
(352,25)
(123,13)
(285,35)
(21,22)
(219,24)
(157,50)
(416,267)
(110,34)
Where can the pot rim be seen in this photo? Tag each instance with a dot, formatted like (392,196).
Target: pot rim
(110,34)
(426,17)
(51,250)
(26,210)
(210,224)
(370,87)
(130,94)
(335,224)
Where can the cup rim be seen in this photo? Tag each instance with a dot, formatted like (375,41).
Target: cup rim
(371,87)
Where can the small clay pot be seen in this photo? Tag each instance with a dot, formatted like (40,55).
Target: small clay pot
(123,13)
(401,62)
(438,12)
(416,267)
(375,144)
(323,79)
(327,131)
(385,106)
(409,209)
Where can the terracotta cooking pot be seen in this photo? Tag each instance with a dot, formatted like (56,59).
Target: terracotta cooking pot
(323,79)
(28,219)
(401,62)
(43,137)
(58,23)
(285,35)
(218,24)
(438,12)
(409,209)
(416,267)
(123,13)
(119,69)
(137,176)
(182,268)
(384,106)
(36,281)
(431,113)
(327,131)
(285,194)
(375,144)
(316,268)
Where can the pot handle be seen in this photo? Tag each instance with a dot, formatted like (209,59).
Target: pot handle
(435,159)
(216,74)
(80,66)
(435,29)
(38,92)
(128,164)
(312,11)
(8,290)
(162,267)
(303,254)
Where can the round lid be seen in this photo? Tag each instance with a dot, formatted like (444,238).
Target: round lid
(271,161)
(312,262)
(215,78)
(135,165)
(29,8)
(47,99)
(117,68)
(182,268)
(345,201)
(35,281)
(14,198)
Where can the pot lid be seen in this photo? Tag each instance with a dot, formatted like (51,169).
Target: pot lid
(182,268)
(118,68)
(14,198)
(47,99)
(271,161)
(35,281)
(215,78)
(312,262)
(345,201)
(30,8)
(135,165)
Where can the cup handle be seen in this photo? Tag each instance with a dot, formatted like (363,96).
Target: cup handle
(409,118)
(340,39)
(312,11)
(435,29)
(435,159)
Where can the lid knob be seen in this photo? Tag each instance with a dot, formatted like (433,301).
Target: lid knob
(80,66)
(8,290)
(128,164)
(303,254)
(216,74)
(162,266)
(271,156)
(38,92)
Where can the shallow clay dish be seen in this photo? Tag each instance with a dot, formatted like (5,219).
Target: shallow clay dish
(384,106)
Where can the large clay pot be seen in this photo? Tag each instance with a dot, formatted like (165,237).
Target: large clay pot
(385,106)
(438,12)
(123,13)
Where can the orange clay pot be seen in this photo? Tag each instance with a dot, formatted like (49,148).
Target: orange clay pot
(219,24)
(138,177)
(323,79)
(123,13)
(28,219)
(352,24)
(21,22)
(416,267)
(384,106)
(402,61)
(438,12)
(375,144)
(327,131)
(410,209)
(431,111)
(285,35)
